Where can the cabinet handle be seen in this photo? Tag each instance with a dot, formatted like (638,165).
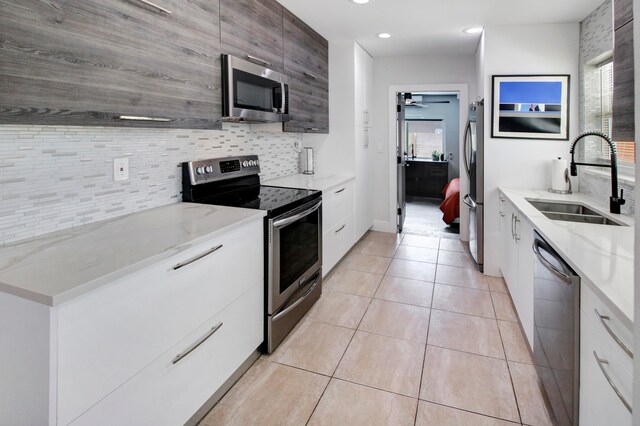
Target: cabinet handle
(515,235)
(340,190)
(311,76)
(366,117)
(604,318)
(262,61)
(340,229)
(193,347)
(312,129)
(613,385)
(142,118)
(198,257)
(155,6)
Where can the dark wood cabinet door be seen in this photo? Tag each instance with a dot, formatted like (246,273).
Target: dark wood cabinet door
(252,30)
(306,53)
(306,63)
(88,62)
(622,13)
(623,124)
(308,107)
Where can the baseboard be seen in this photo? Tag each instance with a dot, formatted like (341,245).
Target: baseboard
(383,226)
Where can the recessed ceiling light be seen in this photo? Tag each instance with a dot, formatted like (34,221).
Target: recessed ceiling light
(384,35)
(473,30)
(360,1)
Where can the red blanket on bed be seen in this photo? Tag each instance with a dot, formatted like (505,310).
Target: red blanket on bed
(451,205)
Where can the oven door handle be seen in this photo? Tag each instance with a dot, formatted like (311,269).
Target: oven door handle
(299,301)
(289,220)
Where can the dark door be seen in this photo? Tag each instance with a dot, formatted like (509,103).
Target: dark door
(401,163)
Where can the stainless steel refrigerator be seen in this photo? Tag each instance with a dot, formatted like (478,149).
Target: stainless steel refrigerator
(474,165)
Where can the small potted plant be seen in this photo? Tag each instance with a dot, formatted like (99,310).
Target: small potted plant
(435,155)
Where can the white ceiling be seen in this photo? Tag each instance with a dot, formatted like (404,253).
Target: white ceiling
(424,27)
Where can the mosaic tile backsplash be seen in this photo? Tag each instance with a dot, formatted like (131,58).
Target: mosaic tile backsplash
(52,177)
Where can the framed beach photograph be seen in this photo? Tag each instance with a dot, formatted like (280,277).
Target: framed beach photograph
(530,107)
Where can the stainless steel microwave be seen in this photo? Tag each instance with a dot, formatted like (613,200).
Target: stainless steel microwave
(253,93)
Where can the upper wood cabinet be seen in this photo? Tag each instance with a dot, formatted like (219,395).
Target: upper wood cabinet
(252,30)
(622,12)
(89,62)
(306,63)
(623,122)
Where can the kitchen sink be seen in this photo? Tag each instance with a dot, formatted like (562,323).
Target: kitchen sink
(572,212)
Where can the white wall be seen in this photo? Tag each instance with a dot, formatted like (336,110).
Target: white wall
(518,163)
(335,153)
(408,71)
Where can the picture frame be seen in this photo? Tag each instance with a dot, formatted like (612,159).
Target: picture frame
(530,106)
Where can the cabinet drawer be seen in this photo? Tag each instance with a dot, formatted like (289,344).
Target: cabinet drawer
(594,387)
(165,393)
(338,203)
(336,242)
(109,335)
(590,303)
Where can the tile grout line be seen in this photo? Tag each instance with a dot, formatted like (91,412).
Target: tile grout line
(513,387)
(424,357)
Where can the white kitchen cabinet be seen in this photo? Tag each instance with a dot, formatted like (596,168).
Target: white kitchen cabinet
(112,347)
(599,403)
(517,260)
(363,183)
(363,87)
(337,223)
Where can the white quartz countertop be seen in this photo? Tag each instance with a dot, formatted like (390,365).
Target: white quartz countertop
(319,182)
(57,267)
(601,254)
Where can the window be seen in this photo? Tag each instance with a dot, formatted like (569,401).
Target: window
(424,137)
(626,150)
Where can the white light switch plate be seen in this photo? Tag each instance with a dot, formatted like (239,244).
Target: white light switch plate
(120,169)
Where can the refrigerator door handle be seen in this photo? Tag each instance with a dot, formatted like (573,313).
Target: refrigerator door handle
(467,136)
(469,202)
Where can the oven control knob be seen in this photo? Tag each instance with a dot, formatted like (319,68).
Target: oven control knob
(257,163)
(208,169)
(252,163)
(200,170)
(245,164)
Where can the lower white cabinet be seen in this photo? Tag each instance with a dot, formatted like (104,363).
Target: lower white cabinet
(517,262)
(110,352)
(338,223)
(605,380)
(171,389)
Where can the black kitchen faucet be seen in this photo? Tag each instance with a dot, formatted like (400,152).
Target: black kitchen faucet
(614,201)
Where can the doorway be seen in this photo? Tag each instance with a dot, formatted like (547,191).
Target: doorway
(427,158)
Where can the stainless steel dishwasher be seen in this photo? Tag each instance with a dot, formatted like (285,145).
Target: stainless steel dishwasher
(556,320)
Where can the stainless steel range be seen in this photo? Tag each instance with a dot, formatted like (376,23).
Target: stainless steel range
(292,234)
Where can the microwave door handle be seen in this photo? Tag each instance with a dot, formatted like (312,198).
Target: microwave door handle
(284,97)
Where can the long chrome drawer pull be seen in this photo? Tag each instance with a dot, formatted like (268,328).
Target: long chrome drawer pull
(340,190)
(312,129)
(142,118)
(198,257)
(604,318)
(311,76)
(196,344)
(340,229)
(155,6)
(297,302)
(613,386)
(262,61)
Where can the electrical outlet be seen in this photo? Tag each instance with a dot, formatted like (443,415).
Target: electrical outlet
(380,148)
(451,156)
(120,169)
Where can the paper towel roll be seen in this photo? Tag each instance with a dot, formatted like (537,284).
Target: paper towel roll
(558,169)
(308,161)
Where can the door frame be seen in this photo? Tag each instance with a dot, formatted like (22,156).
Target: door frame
(463,91)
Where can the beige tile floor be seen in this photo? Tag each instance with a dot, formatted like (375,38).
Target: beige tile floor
(406,332)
